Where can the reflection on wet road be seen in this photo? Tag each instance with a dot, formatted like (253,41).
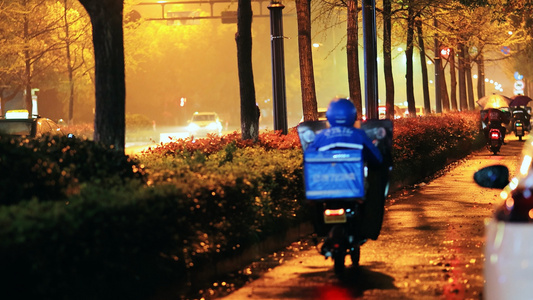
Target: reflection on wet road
(430,247)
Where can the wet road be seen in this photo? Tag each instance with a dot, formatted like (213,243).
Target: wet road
(430,247)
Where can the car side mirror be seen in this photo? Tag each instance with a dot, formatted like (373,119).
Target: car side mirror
(496,177)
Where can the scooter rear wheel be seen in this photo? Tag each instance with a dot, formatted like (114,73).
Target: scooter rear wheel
(355,255)
(338,263)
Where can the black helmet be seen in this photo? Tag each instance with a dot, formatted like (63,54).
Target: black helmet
(341,112)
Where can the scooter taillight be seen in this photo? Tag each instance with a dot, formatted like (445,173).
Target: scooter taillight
(334,212)
(495,135)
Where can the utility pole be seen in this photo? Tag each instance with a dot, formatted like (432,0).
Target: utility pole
(278,66)
(370,54)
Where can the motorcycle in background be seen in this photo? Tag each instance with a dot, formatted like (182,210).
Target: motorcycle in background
(519,121)
(495,139)
(348,197)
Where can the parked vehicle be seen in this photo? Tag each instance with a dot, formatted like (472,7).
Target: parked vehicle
(508,266)
(343,191)
(18,123)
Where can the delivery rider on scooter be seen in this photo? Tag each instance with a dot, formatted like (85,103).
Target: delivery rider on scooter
(341,115)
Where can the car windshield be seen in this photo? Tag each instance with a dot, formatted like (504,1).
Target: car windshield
(197,118)
(21,127)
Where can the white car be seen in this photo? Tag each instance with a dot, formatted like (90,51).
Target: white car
(508,267)
(203,123)
(19,123)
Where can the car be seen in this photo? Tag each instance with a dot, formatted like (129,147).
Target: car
(508,266)
(18,123)
(202,123)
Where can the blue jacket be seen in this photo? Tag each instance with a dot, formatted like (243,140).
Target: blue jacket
(346,138)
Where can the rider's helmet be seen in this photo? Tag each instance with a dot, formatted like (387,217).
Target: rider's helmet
(341,112)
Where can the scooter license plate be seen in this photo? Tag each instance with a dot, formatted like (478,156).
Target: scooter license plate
(332,216)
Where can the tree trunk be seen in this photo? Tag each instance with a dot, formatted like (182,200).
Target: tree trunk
(445,99)
(480,76)
(69,67)
(352,54)
(387,59)
(453,80)
(462,79)
(470,87)
(425,81)
(309,105)
(409,62)
(27,65)
(110,93)
(243,38)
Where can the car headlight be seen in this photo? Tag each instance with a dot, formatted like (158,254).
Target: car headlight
(193,127)
(212,126)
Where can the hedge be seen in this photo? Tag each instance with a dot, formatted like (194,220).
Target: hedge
(133,224)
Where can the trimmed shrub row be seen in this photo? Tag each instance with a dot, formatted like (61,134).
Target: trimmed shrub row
(131,225)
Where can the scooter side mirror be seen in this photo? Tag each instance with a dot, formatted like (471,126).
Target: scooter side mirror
(496,177)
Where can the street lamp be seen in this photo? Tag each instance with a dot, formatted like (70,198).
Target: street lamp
(278,66)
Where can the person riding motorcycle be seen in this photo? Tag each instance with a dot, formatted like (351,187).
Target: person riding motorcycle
(494,118)
(342,134)
(341,115)
(520,113)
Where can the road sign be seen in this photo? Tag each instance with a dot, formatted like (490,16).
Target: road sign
(506,50)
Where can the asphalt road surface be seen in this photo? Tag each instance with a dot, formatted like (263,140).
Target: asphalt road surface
(430,247)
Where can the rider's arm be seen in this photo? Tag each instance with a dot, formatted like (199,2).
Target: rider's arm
(371,153)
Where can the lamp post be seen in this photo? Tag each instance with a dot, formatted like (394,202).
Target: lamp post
(278,66)
(370,54)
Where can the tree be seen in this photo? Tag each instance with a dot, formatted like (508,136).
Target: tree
(352,52)
(469,84)
(243,38)
(453,81)
(409,59)
(27,34)
(106,19)
(387,58)
(425,83)
(309,105)
(76,56)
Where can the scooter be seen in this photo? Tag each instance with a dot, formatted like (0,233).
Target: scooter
(518,127)
(495,139)
(519,123)
(348,196)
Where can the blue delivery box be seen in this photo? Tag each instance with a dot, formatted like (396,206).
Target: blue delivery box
(334,174)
